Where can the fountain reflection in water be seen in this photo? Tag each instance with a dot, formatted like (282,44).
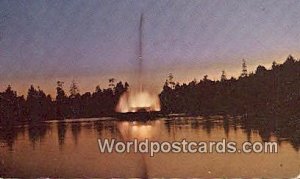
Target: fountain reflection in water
(140,130)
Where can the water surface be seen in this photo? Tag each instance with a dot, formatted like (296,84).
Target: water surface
(70,149)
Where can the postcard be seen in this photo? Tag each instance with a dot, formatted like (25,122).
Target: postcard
(149,89)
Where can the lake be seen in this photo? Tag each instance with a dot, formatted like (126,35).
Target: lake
(70,149)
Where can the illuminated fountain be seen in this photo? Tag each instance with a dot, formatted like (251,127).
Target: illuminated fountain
(140,100)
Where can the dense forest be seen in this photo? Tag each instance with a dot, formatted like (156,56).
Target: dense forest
(39,107)
(267,92)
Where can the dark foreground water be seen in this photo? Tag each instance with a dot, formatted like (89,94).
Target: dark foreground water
(70,149)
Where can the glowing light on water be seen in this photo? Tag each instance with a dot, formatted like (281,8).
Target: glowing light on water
(140,131)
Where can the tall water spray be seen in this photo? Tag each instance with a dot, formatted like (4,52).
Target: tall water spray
(140,100)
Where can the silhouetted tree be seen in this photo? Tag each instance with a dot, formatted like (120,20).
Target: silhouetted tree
(74,100)
(38,104)
(61,101)
(12,107)
(111,82)
(223,76)
(244,69)
(170,80)
(74,90)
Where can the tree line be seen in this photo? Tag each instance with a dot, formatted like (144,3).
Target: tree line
(267,100)
(266,92)
(38,106)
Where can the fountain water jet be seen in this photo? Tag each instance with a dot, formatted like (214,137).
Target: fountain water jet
(140,100)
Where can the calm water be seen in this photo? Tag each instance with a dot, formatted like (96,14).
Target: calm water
(69,149)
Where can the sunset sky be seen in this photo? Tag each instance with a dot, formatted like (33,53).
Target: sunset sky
(91,41)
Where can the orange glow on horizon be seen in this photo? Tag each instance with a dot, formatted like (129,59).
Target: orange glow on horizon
(155,79)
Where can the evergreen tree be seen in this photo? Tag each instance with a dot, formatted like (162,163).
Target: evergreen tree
(244,69)
(223,76)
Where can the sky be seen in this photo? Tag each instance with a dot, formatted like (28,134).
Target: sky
(42,42)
